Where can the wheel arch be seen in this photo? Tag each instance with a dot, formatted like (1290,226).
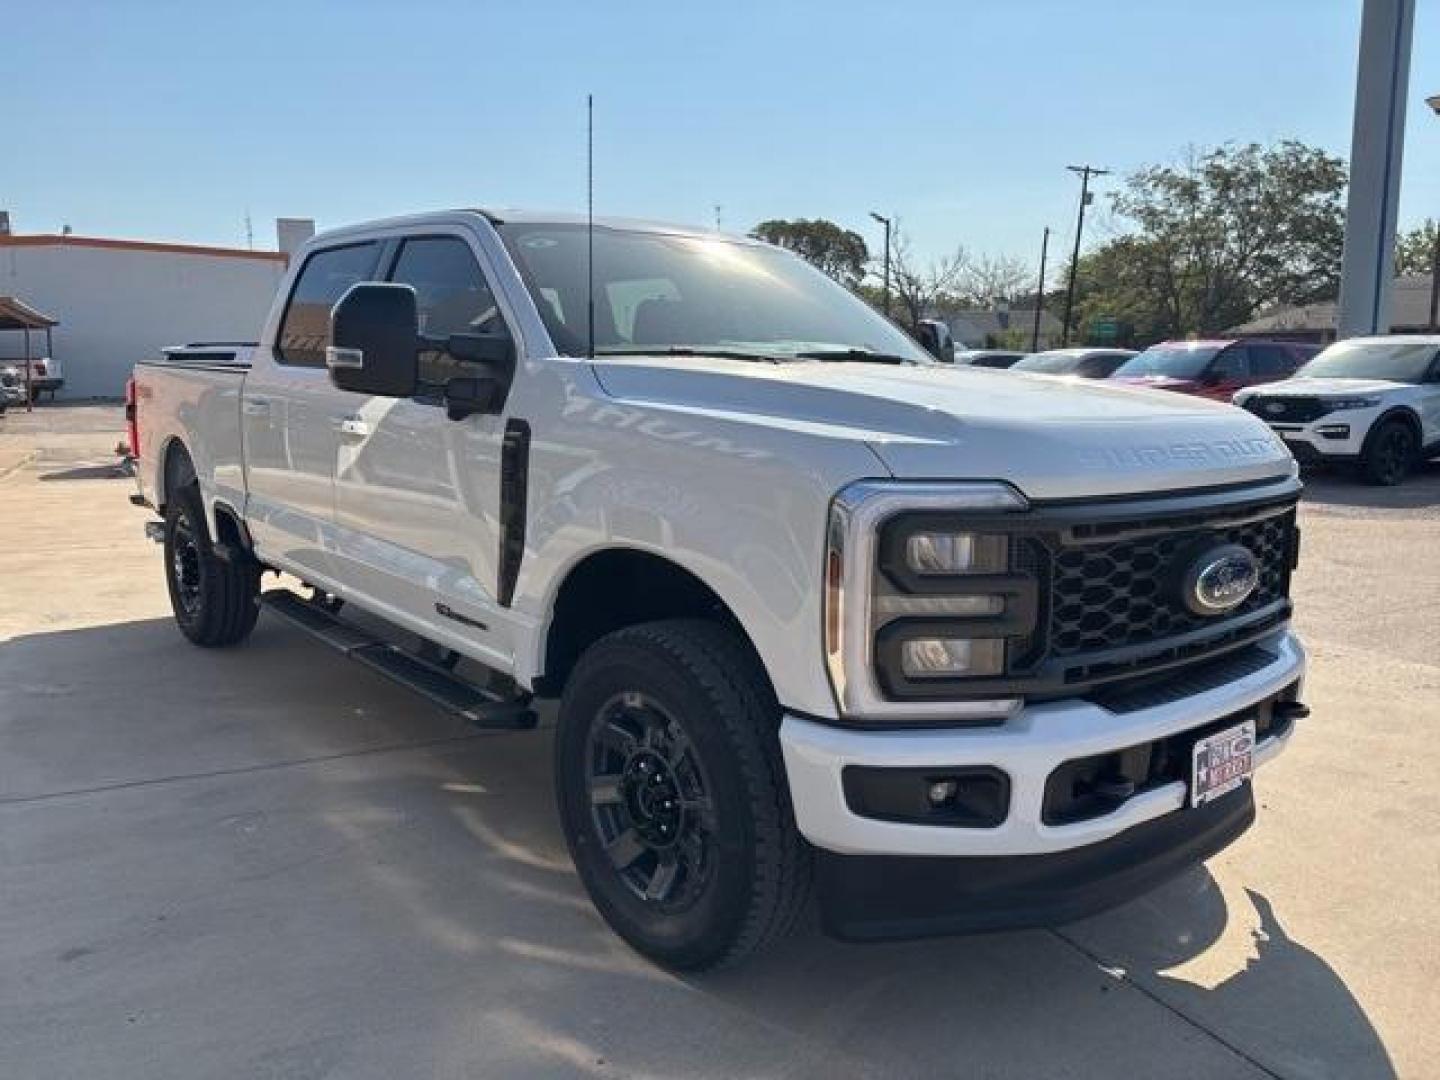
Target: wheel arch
(1403,413)
(615,587)
(177,468)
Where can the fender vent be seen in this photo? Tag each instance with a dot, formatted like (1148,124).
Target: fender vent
(514,486)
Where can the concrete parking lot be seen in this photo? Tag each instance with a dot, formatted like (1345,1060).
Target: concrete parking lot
(267,862)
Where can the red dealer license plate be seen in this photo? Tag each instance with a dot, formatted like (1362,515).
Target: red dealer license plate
(1222,762)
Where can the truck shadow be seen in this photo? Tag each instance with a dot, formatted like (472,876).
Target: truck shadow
(385,837)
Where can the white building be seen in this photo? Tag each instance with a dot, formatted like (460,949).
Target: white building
(119,301)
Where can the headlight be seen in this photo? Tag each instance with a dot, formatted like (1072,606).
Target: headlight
(923,601)
(930,553)
(1335,404)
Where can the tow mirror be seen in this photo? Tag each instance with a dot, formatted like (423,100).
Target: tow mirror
(935,336)
(491,357)
(375,340)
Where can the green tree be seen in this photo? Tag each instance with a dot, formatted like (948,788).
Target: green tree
(1415,250)
(1225,233)
(841,253)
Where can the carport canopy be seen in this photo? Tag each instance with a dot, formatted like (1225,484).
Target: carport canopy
(15,314)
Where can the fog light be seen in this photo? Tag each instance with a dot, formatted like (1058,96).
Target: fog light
(956,553)
(939,658)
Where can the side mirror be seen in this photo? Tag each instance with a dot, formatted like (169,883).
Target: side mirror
(492,356)
(375,340)
(929,334)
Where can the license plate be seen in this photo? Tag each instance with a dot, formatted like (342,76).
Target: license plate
(1222,762)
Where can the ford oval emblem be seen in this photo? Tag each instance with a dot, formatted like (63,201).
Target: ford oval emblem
(1220,580)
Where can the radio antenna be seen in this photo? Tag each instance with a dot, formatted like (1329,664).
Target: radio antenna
(590,218)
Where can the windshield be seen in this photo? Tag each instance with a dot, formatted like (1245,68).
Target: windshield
(1394,361)
(1176,361)
(666,293)
(1050,363)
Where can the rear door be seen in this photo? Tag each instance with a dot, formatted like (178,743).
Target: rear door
(417,494)
(289,416)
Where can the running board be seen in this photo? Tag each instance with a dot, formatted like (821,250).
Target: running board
(483,708)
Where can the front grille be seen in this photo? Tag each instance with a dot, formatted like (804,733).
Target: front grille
(1287,410)
(1111,595)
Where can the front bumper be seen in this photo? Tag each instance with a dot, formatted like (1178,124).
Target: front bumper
(1027,748)
(879,897)
(1335,437)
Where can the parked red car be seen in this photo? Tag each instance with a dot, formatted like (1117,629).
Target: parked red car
(1213,369)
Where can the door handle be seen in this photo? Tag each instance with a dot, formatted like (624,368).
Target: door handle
(353,425)
(255,407)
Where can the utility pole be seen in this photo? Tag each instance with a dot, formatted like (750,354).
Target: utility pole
(886,222)
(1040,292)
(1084,172)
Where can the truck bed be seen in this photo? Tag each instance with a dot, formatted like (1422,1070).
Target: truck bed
(192,393)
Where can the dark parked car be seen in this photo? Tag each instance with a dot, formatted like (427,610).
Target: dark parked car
(12,389)
(1216,368)
(1083,363)
(991,358)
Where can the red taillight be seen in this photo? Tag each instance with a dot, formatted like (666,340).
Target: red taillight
(39,368)
(132,418)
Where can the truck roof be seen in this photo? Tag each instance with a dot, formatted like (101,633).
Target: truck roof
(508,215)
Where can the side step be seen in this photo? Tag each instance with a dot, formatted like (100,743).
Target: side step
(483,708)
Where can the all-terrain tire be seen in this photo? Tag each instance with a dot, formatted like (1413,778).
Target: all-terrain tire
(214,599)
(692,696)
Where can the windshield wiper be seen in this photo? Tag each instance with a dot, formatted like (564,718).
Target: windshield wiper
(718,352)
(861,356)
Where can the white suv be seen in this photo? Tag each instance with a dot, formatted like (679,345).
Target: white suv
(1368,401)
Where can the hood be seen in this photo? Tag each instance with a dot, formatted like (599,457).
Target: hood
(1327,387)
(1051,438)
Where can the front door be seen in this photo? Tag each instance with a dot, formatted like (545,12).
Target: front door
(287,417)
(417,494)
(1228,372)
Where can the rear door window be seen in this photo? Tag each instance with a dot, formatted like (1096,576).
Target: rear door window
(326,275)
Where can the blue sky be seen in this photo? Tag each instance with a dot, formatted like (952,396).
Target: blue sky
(170,121)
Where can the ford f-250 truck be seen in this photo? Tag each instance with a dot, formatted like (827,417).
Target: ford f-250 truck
(953,649)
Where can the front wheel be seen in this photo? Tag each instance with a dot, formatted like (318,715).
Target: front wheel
(1389,453)
(214,599)
(672,794)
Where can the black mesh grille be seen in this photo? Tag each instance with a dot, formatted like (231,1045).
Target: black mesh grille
(1114,594)
(1287,410)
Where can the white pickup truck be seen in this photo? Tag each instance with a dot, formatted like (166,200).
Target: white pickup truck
(961,649)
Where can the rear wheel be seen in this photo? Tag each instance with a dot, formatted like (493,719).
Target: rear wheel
(214,599)
(673,797)
(1390,453)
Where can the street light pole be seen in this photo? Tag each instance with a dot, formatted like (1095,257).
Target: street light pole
(886,222)
(1085,172)
(1040,292)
